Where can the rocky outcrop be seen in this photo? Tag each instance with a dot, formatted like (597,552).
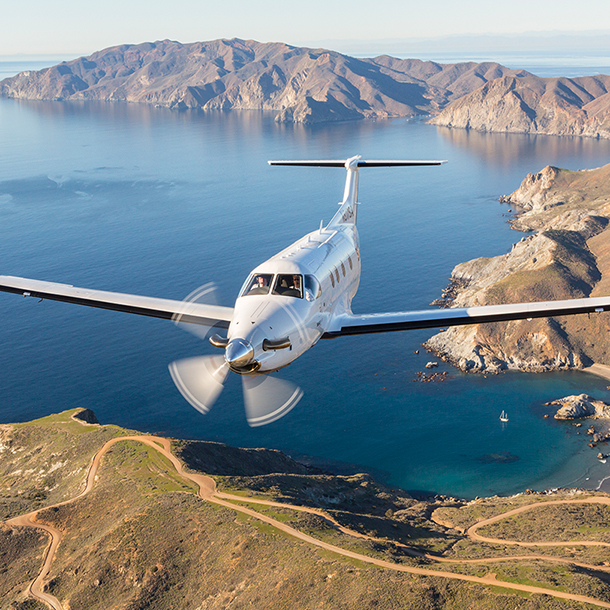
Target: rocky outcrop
(567,256)
(86,415)
(303,85)
(574,407)
(530,104)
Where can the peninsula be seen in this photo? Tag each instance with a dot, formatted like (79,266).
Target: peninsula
(299,84)
(530,104)
(93,513)
(565,255)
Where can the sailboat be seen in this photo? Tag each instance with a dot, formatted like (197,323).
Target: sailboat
(503,416)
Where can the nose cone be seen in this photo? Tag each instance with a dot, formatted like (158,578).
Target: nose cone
(239,353)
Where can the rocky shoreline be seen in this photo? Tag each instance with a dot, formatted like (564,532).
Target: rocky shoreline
(583,406)
(565,255)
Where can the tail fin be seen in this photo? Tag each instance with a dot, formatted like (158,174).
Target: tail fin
(347,211)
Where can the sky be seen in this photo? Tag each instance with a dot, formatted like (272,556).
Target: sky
(79,27)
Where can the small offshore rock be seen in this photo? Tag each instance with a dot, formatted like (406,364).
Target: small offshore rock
(583,405)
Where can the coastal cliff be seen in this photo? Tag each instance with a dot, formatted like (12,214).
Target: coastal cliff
(530,104)
(303,85)
(566,255)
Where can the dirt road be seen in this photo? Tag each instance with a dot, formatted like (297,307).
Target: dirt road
(207,491)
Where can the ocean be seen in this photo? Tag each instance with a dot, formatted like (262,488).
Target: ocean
(145,200)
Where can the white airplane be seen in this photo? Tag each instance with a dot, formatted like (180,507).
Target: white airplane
(286,305)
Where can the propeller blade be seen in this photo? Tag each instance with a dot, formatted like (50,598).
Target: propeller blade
(268,398)
(205,295)
(200,379)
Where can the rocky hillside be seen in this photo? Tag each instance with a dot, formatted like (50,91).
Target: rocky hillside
(529,104)
(566,256)
(302,85)
(142,537)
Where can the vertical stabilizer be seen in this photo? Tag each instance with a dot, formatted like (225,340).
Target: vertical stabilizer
(347,212)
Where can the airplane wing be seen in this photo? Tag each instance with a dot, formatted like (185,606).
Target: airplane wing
(350,324)
(194,313)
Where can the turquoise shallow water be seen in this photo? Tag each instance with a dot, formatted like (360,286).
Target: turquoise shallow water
(154,202)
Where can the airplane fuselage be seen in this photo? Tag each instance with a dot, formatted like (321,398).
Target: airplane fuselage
(277,321)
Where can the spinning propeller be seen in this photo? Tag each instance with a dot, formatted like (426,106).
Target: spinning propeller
(201,379)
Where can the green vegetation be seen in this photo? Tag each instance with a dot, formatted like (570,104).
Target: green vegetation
(554,524)
(21,552)
(143,539)
(44,461)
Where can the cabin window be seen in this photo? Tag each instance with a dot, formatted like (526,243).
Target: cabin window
(312,286)
(343,269)
(337,274)
(258,284)
(289,285)
(349,260)
(332,279)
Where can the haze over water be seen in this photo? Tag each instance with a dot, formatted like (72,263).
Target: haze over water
(154,202)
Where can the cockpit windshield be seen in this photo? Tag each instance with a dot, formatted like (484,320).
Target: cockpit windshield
(289,285)
(258,284)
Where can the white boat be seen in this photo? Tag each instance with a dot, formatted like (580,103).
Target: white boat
(503,416)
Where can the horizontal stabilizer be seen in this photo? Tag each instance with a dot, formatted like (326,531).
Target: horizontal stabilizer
(339,163)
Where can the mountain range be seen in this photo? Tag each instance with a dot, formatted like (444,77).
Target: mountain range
(302,85)
(530,104)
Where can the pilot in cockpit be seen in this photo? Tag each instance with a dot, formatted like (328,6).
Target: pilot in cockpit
(259,284)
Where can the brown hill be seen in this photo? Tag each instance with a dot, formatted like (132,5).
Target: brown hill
(304,85)
(529,104)
(567,257)
(143,537)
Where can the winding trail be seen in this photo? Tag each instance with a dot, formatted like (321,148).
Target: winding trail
(472,530)
(207,491)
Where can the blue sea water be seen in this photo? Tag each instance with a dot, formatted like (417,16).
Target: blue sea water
(136,199)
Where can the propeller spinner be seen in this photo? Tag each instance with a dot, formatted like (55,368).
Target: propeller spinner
(201,379)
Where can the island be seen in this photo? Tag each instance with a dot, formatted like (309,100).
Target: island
(95,514)
(565,254)
(298,84)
